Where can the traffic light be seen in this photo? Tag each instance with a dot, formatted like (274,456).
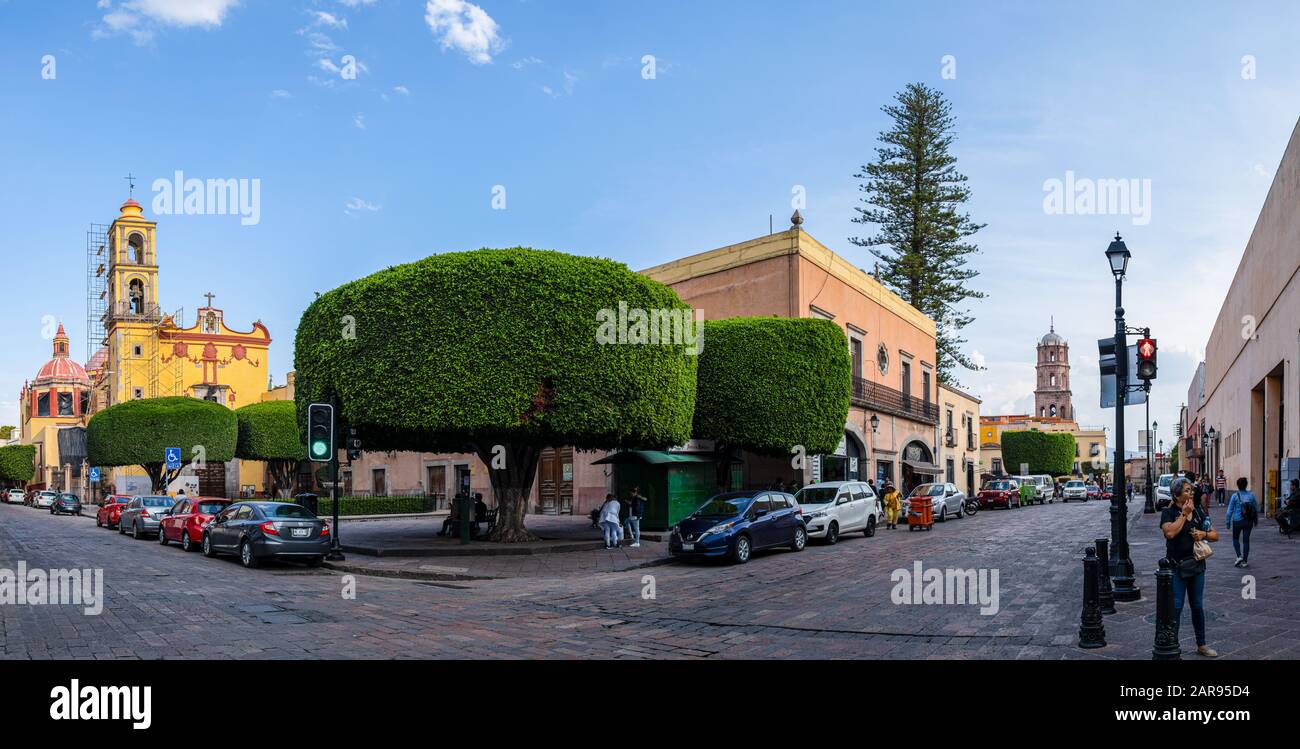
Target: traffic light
(1106,358)
(1146,359)
(354,444)
(320,432)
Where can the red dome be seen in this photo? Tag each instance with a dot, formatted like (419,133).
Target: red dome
(61,370)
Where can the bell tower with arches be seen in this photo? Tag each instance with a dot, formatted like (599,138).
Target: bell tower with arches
(1052,396)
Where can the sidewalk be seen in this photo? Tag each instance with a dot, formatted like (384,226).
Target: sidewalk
(1249,613)
(410,548)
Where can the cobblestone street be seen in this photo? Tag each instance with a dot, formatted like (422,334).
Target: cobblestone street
(824,602)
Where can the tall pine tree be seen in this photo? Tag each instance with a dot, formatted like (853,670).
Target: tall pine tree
(914,196)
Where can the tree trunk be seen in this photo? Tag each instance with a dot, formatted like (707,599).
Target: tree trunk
(281,472)
(722,466)
(511,485)
(159,476)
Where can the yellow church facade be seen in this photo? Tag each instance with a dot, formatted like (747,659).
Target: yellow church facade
(150,353)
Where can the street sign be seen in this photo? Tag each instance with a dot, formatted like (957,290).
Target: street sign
(1133,397)
(172,456)
(94,475)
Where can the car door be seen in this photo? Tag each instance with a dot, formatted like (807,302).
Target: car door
(221,530)
(761,528)
(867,498)
(788,516)
(171,520)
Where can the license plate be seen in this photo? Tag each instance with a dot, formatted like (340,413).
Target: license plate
(688,547)
(301,532)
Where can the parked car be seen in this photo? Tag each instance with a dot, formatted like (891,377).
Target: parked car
(1094,491)
(143,515)
(831,508)
(43,499)
(110,510)
(1074,489)
(184,522)
(946,498)
(1162,491)
(15,496)
(736,524)
(1044,488)
(1004,493)
(66,503)
(267,530)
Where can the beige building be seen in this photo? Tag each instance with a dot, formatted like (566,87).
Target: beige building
(1252,401)
(959,450)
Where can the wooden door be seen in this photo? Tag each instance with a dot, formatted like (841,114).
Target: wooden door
(212,480)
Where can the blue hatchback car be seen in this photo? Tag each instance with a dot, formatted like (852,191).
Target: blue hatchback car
(736,524)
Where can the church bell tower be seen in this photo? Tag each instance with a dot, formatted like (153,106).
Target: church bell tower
(1052,396)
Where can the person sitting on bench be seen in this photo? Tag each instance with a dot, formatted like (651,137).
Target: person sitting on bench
(451,525)
(480,511)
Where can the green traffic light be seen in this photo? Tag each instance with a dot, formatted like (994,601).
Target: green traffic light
(319,448)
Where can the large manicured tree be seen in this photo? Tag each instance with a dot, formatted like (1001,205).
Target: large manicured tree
(498,352)
(17,463)
(269,432)
(772,385)
(138,432)
(1052,453)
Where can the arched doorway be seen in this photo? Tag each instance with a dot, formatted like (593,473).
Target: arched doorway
(918,466)
(847,464)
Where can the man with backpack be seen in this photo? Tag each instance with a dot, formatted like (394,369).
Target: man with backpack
(1243,514)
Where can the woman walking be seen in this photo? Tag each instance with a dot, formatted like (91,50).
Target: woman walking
(610,523)
(1243,513)
(1185,526)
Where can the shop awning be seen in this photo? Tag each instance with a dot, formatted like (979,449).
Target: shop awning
(652,457)
(921,466)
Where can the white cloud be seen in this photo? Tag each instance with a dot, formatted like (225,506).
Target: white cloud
(355,205)
(329,19)
(464,26)
(140,17)
(403,90)
(521,64)
(356,3)
(359,121)
(977,358)
(280,93)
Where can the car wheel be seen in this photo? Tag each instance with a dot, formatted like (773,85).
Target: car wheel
(740,552)
(120,530)
(208,551)
(800,539)
(246,555)
(135,530)
(961,510)
(186,543)
(99,523)
(832,533)
(871,527)
(943,513)
(162,537)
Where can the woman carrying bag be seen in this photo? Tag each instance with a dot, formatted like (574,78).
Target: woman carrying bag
(1243,514)
(1188,534)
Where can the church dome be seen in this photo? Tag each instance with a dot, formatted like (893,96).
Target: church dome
(1052,339)
(61,370)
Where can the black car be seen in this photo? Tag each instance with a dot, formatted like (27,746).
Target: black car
(267,530)
(69,503)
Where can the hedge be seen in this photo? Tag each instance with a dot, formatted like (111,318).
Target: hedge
(375,505)
(137,432)
(269,431)
(494,346)
(17,463)
(1045,452)
(770,384)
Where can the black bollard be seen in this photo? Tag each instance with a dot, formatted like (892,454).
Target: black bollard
(1091,632)
(1167,648)
(1105,594)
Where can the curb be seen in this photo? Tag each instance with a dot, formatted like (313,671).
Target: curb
(406,574)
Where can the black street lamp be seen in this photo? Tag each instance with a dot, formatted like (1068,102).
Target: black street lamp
(1121,566)
(1205,449)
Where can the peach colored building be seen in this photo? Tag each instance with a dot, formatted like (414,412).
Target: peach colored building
(1252,396)
(791,274)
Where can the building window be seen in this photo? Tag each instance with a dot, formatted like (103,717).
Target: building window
(137,393)
(1053,380)
(905,377)
(855,354)
(925,386)
(1053,409)
(951,471)
(65,404)
(43,404)
(137,351)
(997,465)
(135,292)
(136,244)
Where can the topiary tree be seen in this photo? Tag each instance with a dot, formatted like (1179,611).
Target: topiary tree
(17,463)
(502,352)
(772,385)
(1045,452)
(269,432)
(138,432)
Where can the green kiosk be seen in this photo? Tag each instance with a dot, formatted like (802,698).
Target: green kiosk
(675,483)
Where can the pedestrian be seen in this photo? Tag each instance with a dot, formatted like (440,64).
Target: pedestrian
(635,511)
(1196,491)
(480,511)
(1220,485)
(1243,514)
(453,520)
(893,505)
(609,521)
(1188,531)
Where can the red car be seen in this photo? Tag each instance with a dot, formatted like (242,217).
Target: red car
(999,494)
(111,510)
(184,522)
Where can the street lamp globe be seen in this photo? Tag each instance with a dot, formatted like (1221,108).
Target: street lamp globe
(1212,434)
(875,422)
(1117,253)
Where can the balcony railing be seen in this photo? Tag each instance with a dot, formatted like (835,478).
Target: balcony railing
(970,440)
(125,311)
(877,397)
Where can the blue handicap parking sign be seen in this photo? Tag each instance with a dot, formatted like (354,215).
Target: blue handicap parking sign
(94,474)
(173,457)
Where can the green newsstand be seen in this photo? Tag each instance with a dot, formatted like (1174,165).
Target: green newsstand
(675,483)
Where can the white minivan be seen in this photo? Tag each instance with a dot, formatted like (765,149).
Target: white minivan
(832,508)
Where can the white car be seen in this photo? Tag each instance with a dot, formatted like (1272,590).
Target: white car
(44,499)
(1074,490)
(946,499)
(832,508)
(15,496)
(1162,490)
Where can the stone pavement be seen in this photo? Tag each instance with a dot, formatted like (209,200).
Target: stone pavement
(824,602)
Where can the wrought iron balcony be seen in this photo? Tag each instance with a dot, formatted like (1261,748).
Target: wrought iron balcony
(877,397)
(127,311)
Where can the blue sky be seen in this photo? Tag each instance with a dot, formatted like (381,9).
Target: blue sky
(548,100)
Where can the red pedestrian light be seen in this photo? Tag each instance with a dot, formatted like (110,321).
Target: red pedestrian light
(1146,356)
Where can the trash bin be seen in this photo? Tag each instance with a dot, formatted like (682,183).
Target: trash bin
(308,500)
(920,513)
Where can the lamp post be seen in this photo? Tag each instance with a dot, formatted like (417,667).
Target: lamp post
(1121,566)
(1205,450)
(875,424)
(1152,428)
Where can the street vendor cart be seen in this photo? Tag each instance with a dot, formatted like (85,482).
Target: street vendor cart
(920,513)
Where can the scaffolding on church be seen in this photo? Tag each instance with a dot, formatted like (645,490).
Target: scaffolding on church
(97,262)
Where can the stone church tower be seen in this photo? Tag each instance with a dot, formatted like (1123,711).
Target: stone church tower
(1052,395)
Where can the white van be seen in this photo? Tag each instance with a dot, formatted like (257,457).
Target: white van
(1042,486)
(832,508)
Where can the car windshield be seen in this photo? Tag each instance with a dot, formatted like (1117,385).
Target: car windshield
(819,495)
(1001,485)
(68,497)
(1074,485)
(287,511)
(210,508)
(157,501)
(1166,480)
(725,505)
(933,490)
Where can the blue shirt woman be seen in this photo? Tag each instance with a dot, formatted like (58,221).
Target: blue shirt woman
(1241,521)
